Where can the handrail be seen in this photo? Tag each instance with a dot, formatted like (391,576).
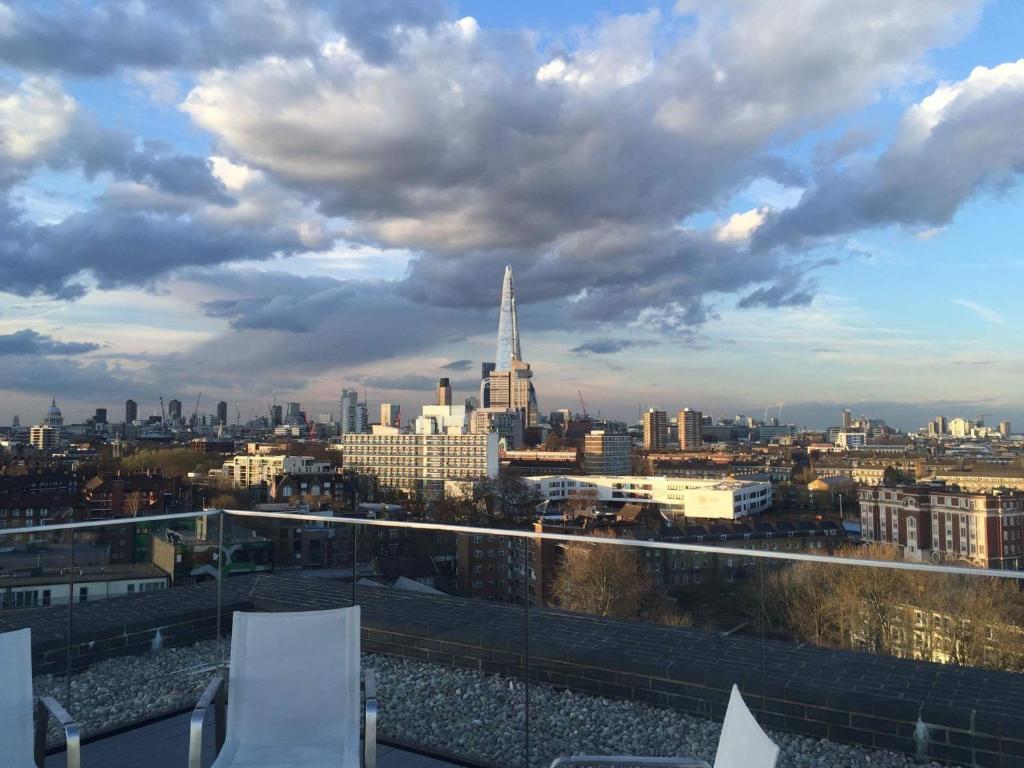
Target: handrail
(108,521)
(639,543)
(546,536)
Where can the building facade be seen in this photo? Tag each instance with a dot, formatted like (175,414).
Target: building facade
(655,430)
(940,523)
(677,497)
(420,464)
(606,453)
(690,425)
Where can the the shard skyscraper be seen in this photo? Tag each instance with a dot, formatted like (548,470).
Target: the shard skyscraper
(506,383)
(508,326)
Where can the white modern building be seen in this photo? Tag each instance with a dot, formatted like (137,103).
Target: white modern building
(250,470)
(727,499)
(851,440)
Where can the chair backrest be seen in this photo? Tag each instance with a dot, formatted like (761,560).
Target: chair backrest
(294,677)
(743,744)
(16,735)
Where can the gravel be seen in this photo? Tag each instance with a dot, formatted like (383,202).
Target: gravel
(476,716)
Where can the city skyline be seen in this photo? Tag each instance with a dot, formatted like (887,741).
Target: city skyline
(692,219)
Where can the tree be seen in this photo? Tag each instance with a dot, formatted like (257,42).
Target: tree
(600,581)
(510,498)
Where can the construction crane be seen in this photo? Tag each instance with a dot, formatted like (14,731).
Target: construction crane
(195,412)
(583,405)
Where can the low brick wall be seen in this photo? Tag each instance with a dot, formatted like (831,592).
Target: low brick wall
(127,625)
(966,716)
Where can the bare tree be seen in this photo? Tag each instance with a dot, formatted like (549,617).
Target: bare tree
(600,581)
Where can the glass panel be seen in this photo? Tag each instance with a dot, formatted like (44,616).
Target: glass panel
(144,633)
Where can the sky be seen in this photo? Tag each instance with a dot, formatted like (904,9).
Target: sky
(705,204)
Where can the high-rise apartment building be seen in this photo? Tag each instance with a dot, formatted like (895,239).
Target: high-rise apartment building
(655,430)
(43,437)
(100,417)
(131,411)
(276,415)
(347,414)
(690,425)
(390,414)
(444,392)
(222,412)
(607,453)
(1004,429)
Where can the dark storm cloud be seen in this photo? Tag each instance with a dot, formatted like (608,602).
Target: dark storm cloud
(99,38)
(31,342)
(458,365)
(121,248)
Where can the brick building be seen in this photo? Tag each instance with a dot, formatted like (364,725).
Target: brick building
(940,523)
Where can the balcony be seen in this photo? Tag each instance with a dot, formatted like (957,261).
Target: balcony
(522,679)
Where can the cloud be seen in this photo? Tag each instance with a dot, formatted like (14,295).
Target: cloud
(416,382)
(740,226)
(985,313)
(370,28)
(619,138)
(35,115)
(609,346)
(99,38)
(30,342)
(458,365)
(962,139)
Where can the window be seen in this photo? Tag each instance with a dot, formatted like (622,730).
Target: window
(83,594)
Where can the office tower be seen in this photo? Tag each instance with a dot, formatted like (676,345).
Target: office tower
(100,417)
(16,422)
(222,412)
(131,411)
(942,424)
(174,411)
(605,453)
(485,384)
(444,392)
(362,418)
(276,416)
(655,430)
(508,424)
(691,428)
(508,326)
(509,384)
(471,403)
(389,415)
(347,411)
(847,420)
(513,390)
(293,415)
(1004,429)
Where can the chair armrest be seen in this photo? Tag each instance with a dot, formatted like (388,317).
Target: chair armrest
(46,708)
(214,694)
(370,713)
(644,762)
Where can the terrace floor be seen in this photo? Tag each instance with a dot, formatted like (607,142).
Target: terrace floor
(164,744)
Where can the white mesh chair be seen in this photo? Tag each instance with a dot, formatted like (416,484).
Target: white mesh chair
(742,744)
(21,746)
(293,695)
